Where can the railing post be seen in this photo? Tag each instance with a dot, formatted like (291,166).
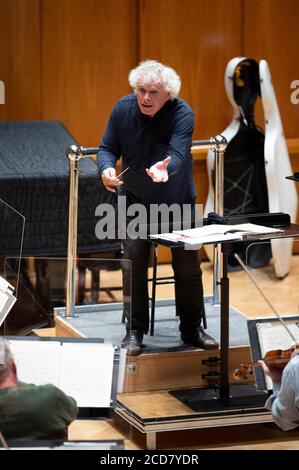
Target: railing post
(74,155)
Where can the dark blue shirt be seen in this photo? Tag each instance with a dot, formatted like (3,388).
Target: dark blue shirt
(142,141)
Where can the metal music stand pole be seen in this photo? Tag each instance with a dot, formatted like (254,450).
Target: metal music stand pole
(74,154)
(218,145)
(218,148)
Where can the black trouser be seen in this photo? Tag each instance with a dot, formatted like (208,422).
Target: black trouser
(188,286)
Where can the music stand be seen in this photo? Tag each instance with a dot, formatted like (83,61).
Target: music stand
(294,177)
(101,363)
(263,338)
(230,398)
(7,299)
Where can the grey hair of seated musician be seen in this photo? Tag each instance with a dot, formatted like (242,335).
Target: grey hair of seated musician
(6,359)
(151,71)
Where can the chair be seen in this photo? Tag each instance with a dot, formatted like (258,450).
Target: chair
(106,261)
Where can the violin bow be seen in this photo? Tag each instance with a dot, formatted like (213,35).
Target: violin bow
(266,299)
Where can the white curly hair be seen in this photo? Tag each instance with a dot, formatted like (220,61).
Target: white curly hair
(5,358)
(151,71)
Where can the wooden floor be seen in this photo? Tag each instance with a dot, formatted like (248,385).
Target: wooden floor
(284,295)
(247,437)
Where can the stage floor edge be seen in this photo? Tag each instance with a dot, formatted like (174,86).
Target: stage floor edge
(127,409)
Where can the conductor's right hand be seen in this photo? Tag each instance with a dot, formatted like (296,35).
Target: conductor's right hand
(110,181)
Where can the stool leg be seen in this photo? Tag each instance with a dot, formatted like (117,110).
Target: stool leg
(81,283)
(95,285)
(204,319)
(123,318)
(154,285)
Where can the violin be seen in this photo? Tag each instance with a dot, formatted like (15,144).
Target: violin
(278,358)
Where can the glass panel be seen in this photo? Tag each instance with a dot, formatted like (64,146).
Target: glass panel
(99,306)
(277,279)
(42,292)
(12,229)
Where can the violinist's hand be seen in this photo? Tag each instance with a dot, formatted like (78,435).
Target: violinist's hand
(109,179)
(158,172)
(273,372)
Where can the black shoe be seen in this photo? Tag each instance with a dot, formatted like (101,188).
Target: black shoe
(132,342)
(200,339)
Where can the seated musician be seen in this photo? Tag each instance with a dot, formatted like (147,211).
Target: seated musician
(28,411)
(284,402)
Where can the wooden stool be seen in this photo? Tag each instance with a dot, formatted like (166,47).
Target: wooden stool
(159,281)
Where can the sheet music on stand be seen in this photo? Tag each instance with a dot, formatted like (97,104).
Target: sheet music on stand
(215,233)
(57,444)
(7,299)
(12,229)
(85,368)
(92,445)
(105,444)
(267,334)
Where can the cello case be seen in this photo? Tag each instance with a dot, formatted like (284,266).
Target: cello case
(282,193)
(247,173)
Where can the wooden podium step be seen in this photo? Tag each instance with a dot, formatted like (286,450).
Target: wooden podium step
(181,369)
(176,369)
(178,391)
(155,385)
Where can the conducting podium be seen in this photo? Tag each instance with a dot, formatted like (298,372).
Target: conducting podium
(224,401)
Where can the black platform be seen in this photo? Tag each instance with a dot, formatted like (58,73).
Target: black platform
(34,177)
(243,398)
(34,181)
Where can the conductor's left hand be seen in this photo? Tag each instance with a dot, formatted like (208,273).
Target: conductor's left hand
(158,172)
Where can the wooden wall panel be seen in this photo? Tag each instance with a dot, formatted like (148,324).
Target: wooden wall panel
(20,59)
(197,38)
(89,47)
(271,32)
(69,59)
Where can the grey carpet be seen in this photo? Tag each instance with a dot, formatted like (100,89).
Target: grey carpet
(104,321)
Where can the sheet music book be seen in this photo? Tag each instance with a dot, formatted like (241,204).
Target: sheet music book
(268,334)
(57,444)
(215,233)
(92,445)
(81,368)
(7,299)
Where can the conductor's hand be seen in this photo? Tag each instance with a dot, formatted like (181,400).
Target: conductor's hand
(158,172)
(273,372)
(110,180)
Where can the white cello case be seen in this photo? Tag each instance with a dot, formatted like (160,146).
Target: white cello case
(282,195)
(229,133)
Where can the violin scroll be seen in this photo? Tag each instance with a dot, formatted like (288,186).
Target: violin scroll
(243,372)
(277,359)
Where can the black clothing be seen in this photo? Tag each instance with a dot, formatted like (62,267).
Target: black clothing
(143,141)
(35,412)
(188,286)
